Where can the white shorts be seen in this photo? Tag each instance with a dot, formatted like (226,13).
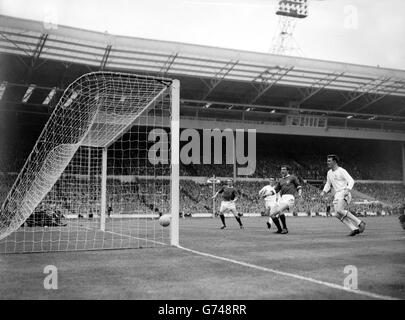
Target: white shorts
(342,195)
(227,206)
(287,199)
(268,204)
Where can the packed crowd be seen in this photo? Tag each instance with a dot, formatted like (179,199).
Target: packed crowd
(389,194)
(306,156)
(80,196)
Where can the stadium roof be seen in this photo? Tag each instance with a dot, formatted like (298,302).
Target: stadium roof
(49,56)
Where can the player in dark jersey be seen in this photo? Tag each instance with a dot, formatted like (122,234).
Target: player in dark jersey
(402,215)
(288,186)
(229,196)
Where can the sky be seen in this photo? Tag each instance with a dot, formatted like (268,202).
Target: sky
(368,32)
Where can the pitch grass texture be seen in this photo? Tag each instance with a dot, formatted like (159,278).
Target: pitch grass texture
(316,248)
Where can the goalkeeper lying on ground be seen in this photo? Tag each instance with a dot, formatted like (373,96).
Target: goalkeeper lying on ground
(45,218)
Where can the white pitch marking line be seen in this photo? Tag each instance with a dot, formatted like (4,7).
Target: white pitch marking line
(292,275)
(125,235)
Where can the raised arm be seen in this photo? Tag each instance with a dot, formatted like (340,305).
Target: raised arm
(261,191)
(217,193)
(298,186)
(327,186)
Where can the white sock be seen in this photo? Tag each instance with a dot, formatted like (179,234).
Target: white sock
(270,221)
(348,223)
(351,216)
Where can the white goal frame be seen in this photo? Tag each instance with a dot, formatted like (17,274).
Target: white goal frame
(16,208)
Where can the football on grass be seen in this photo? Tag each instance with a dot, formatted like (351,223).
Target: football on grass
(164,220)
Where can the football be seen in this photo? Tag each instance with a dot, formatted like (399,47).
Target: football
(164,220)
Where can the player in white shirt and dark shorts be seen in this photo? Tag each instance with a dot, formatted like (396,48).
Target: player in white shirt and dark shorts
(270,198)
(342,183)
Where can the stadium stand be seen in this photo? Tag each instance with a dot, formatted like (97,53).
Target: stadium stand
(306,156)
(196,198)
(392,194)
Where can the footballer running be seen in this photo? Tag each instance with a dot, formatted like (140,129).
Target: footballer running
(288,186)
(342,183)
(270,198)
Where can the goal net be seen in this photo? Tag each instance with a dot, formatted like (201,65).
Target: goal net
(103,170)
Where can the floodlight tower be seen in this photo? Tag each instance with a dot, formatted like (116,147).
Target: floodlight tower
(289,11)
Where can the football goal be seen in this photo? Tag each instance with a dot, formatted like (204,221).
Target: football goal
(103,170)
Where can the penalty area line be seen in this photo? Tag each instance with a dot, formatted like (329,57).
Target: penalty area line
(292,275)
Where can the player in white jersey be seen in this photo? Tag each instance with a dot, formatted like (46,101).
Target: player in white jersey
(342,183)
(270,198)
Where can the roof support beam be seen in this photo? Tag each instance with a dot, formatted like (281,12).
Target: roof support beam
(26,52)
(320,111)
(105,57)
(219,76)
(168,64)
(308,93)
(33,57)
(38,49)
(372,98)
(368,87)
(268,79)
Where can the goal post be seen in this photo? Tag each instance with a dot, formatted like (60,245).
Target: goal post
(175,160)
(104,168)
(103,202)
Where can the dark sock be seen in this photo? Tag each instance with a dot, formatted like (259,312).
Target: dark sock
(239,221)
(222,219)
(277,223)
(282,218)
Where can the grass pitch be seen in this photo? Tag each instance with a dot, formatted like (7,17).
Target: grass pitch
(253,263)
